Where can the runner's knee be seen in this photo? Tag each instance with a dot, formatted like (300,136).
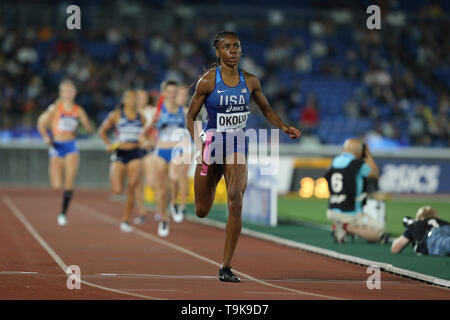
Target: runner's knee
(56,186)
(201,211)
(116,189)
(234,197)
(132,185)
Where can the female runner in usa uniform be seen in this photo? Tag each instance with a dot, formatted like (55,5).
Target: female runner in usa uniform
(63,116)
(226,90)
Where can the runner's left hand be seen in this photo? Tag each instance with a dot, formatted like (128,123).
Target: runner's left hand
(294,133)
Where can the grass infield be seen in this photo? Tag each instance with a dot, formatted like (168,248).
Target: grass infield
(293,207)
(304,220)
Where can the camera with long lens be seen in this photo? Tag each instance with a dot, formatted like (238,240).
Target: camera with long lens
(364,148)
(407,221)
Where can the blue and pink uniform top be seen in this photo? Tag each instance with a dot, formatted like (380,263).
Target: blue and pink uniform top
(228,107)
(228,111)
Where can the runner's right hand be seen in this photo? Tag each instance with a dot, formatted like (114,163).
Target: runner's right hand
(48,141)
(112,147)
(198,155)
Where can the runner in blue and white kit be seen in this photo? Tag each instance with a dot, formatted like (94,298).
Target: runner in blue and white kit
(168,151)
(126,152)
(181,185)
(226,91)
(148,145)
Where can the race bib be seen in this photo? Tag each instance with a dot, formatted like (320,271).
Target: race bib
(67,124)
(231,121)
(129,134)
(171,134)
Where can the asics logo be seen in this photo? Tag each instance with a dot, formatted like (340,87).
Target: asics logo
(241,108)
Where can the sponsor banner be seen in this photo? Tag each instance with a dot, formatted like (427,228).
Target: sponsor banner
(414,176)
(404,176)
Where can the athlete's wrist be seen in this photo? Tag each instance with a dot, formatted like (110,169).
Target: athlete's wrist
(284,127)
(47,139)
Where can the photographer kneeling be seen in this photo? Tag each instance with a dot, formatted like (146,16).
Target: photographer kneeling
(427,234)
(345,182)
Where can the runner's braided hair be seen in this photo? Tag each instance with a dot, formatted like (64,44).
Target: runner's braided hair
(219,37)
(222,35)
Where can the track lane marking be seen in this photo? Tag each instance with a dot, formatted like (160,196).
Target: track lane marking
(100,215)
(193,277)
(17,272)
(159,276)
(18,214)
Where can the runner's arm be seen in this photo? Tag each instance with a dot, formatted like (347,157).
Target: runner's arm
(85,121)
(202,90)
(44,121)
(267,111)
(109,121)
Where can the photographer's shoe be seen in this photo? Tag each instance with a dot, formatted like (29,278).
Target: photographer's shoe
(339,233)
(384,238)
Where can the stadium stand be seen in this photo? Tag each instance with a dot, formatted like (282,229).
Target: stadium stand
(366,83)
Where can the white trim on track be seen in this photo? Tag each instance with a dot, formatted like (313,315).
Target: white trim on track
(114,221)
(328,253)
(18,214)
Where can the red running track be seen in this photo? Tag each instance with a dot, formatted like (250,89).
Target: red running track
(35,251)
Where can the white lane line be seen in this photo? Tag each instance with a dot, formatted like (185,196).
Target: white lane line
(156,239)
(263,292)
(334,281)
(286,280)
(152,290)
(161,276)
(213,278)
(54,255)
(17,272)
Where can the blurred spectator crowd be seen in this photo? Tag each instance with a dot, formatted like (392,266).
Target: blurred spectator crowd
(331,80)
